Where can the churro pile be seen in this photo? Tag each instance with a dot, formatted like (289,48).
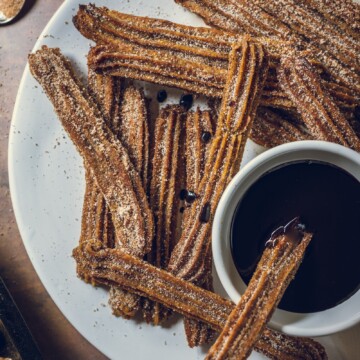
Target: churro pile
(275,71)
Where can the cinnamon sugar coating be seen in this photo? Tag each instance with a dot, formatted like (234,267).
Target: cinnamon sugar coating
(198,124)
(272,128)
(113,170)
(132,131)
(167,172)
(113,267)
(247,71)
(160,67)
(287,20)
(318,111)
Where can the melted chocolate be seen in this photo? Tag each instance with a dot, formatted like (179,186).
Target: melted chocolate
(327,199)
(186,101)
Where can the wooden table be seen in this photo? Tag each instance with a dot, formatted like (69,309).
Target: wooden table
(55,336)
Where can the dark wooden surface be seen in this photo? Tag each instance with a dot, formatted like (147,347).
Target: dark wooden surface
(56,338)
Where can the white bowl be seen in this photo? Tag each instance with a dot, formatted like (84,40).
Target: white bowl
(320,323)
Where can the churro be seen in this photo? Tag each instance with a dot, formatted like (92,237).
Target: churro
(200,130)
(248,16)
(132,131)
(107,91)
(320,114)
(103,152)
(197,44)
(113,267)
(272,128)
(315,29)
(247,71)
(162,68)
(167,172)
(343,13)
(276,268)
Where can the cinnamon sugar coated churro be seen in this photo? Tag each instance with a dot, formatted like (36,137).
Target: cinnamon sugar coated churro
(259,18)
(276,268)
(247,71)
(107,91)
(115,175)
(132,131)
(320,114)
(200,129)
(271,128)
(112,266)
(167,171)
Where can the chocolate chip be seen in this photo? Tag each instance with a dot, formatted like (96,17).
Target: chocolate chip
(205,213)
(182,209)
(183,194)
(186,101)
(190,196)
(161,96)
(205,136)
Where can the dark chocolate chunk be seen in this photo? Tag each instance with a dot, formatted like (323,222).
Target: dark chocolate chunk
(190,196)
(205,213)
(186,101)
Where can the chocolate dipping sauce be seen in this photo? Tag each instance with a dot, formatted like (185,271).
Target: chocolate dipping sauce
(327,199)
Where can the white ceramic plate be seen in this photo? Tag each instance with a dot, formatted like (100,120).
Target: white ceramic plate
(47,186)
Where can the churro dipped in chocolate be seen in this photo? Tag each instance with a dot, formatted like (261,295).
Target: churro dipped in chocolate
(247,71)
(279,262)
(167,172)
(318,111)
(272,128)
(200,130)
(113,170)
(102,265)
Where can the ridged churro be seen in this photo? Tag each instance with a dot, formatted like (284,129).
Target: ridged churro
(104,154)
(165,185)
(248,16)
(107,91)
(200,130)
(162,68)
(247,71)
(275,270)
(272,128)
(342,13)
(197,44)
(114,267)
(318,111)
(132,131)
